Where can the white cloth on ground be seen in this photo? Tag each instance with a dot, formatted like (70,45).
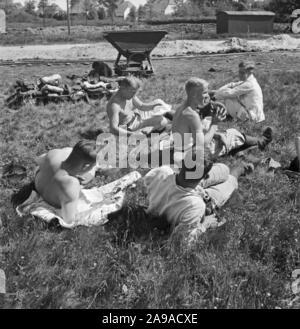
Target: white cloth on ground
(243,95)
(224,142)
(94,205)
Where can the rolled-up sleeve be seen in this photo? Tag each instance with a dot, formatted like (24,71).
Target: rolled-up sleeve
(238,90)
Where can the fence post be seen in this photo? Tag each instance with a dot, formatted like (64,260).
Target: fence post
(68,17)
(297,143)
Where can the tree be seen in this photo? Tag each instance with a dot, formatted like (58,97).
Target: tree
(101,13)
(132,15)
(283,8)
(29,7)
(142,13)
(9,6)
(111,6)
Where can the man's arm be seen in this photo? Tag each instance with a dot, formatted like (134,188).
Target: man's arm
(196,129)
(114,119)
(40,159)
(69,196)
(238,90)
(145,106)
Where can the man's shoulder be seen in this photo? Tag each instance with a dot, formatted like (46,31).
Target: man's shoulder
(113,103)
(69,185)
(190,114)
(158,174)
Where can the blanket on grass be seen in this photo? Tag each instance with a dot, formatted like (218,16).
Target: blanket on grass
(94,206)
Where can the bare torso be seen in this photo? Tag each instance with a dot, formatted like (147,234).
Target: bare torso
(181,125)
(49,178)
(127,108)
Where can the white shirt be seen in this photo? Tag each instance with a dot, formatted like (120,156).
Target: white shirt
(249,95)
(179,205)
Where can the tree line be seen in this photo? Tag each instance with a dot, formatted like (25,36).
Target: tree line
(101,9)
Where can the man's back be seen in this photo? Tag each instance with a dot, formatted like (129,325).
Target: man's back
(181,124)
(50,178)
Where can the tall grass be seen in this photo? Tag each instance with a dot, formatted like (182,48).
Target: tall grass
(131,262)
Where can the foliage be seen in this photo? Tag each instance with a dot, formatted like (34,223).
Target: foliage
(29,7)
(283,8)
(133,15)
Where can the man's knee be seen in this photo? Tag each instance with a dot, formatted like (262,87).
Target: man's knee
(160,121)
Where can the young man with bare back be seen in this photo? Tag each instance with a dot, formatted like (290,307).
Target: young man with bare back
(59,176)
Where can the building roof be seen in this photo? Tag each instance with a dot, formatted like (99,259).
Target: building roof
(248,13)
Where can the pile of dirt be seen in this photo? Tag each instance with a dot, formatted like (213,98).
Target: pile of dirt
(282,41)
(238,45)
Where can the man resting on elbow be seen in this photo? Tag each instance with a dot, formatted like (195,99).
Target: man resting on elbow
(59,176)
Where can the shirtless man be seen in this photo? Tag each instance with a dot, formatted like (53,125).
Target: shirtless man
(58,178)
(186,120)
(123,119)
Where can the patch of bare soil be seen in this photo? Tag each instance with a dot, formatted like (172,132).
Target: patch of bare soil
(104,51)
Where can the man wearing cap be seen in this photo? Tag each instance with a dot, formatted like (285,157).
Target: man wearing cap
(243,99)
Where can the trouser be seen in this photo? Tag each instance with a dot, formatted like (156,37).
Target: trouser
(235,109)
(150,119)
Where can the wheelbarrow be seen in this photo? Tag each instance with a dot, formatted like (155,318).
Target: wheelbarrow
(136,47)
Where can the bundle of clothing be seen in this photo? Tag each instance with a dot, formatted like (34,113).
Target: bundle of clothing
(52,89)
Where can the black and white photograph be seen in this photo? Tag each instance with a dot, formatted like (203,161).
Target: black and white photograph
(149,158)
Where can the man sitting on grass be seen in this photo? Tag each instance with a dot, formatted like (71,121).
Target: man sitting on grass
(185,201)
(122,114)
(58,178)
(188,123)
(243,99)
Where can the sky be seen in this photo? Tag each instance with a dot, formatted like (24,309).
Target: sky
(63,3)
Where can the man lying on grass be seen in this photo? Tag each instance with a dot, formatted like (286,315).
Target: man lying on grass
(243,99)
(185,201)
(188,123)
(58,177)
(122,114)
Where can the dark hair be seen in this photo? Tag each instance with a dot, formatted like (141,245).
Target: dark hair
(130,81)
(85,150)
(102,68)
(208,162)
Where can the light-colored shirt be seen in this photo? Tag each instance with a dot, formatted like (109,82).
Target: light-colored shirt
(179,205)
(248,94)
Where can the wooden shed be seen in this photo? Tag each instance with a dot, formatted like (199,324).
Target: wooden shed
(2,21)
(245,21)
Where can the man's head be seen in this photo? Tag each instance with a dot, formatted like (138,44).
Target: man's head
(197,90)
(83,157)
(246,68)
(129,86)
(185,171)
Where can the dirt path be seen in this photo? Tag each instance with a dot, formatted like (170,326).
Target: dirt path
(105,51)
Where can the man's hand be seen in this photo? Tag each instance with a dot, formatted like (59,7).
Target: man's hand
(211,94)
(220,112)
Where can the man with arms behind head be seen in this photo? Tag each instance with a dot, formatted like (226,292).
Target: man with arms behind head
(243,99)
(58,178)
(122,114)
(185,201)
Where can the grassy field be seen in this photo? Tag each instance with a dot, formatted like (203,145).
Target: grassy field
(57,32)
(130,263)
